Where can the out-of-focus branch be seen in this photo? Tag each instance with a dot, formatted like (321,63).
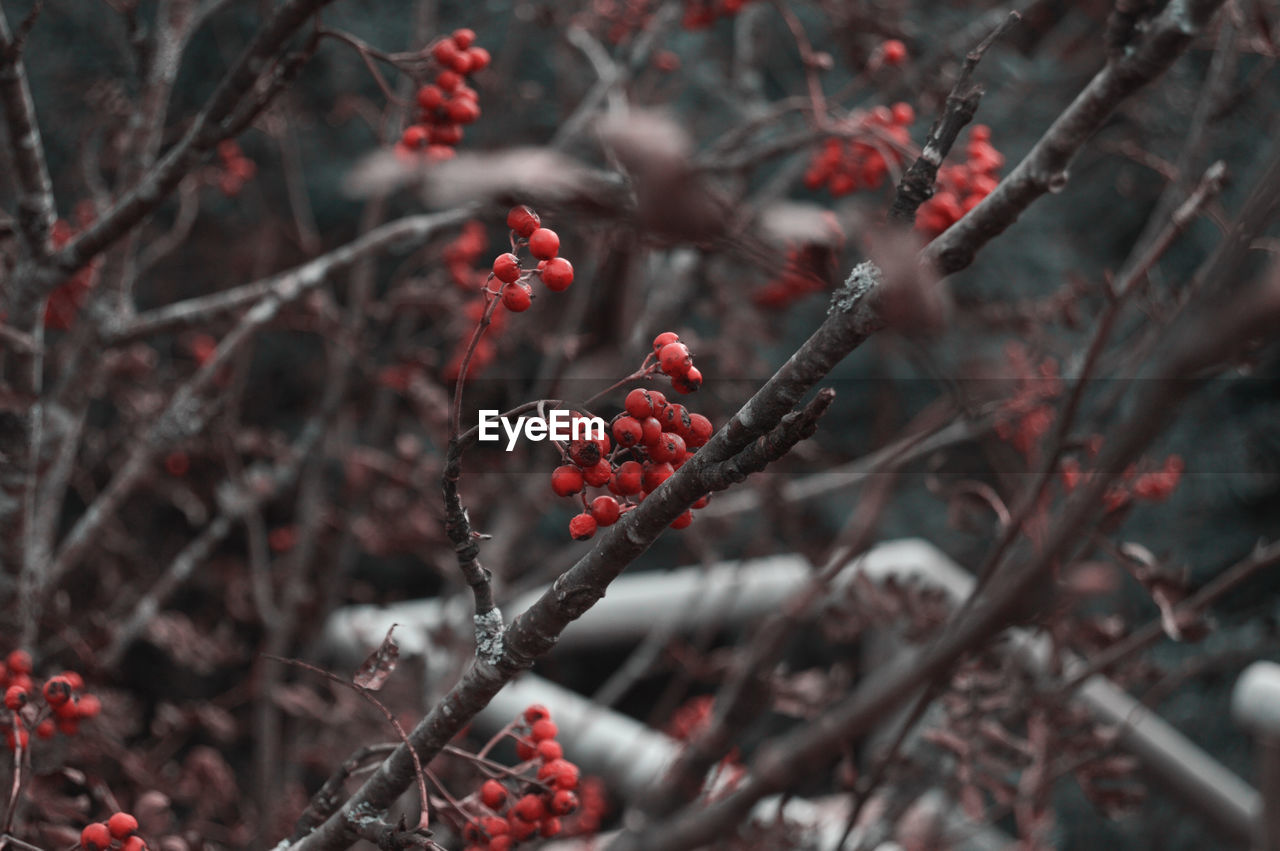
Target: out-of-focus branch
(35,202)
(1044,169)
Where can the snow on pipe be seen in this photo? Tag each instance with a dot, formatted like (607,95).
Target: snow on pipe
(734,592)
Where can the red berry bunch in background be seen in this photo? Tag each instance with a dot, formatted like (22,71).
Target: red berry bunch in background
(68,297)
(809,269)
(962,187)
(890,52)
(651,439)
(57,705)
(861,157)
(1025,417)
(518,808)
(1136,485)
(448,104)
(700,14)
(236,169)
(119,831)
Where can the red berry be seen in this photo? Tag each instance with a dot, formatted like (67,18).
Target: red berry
(122,825)
(21,739)
(605,510)
(525,751)
(15,697)
(683,520)
(500,843)
(687,383)
(549,749)
(430,97)
(980,133)
(666,338)
(45,729)
(655,474)
(462,110)
(563,802)
(521,829)
(903,114)
(674,359)
(675,417)
(667,448)
(464,38)
(517,297)
(479,58)
(893,52)
(557,274)
(134,843)
(582,527)
(627,431)
(536,712)
(88,706)
(492,794)
(448,80)
(545,728)
(544,243)
(76,681)
(444,52)
(627,479)
(68,726)
(638,403)
(506,268)
(599,474)
(651,431)
(566,480)
(529,808)
(584,453)
(699,431)
(550,827)
(57,691)
(522,220)
(446,134)
(493,826)
(702,502)
(95,837)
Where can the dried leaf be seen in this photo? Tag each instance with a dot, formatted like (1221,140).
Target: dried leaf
(375,670)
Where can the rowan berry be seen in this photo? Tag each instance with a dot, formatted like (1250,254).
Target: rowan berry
(687,383)
(517,297)
(584,453)
(674,359)
(506,268)
(500,843)
(627,479)
(655,474)
(666,338)
(57,691)
(76,681)
(544,243)
(45,729)
(68,726)
(522,220)
(550,827)
(903,114)
(651,431)
(492,794)
(683,520)
(549,749)
(19,662)
(95,837)
(448,80)
(605,510)
(703,502)
(566,480)
(627,431)
(134,843)
(545,728)
(464,38)
(557,274)
(479,57)
(462,110)
(598,474)
(445,52)
(563,802)
(521,829)
(668,448)
(639,404)
(536,712)
(88,706)
(529,808)
(15,697)
(525,751)
(122,825)
(893,52)
(582,527)
(699,431)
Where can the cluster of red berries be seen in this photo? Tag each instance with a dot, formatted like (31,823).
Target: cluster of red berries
(807,271)
(1153,485)
(236,169)
(56,706)
(528,808)
(691,718)
(1026,416)
(700,14)
(875,140)
(69,296)
(962,187)
(449,103)
(121,828)
(544,244)
(660,436)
